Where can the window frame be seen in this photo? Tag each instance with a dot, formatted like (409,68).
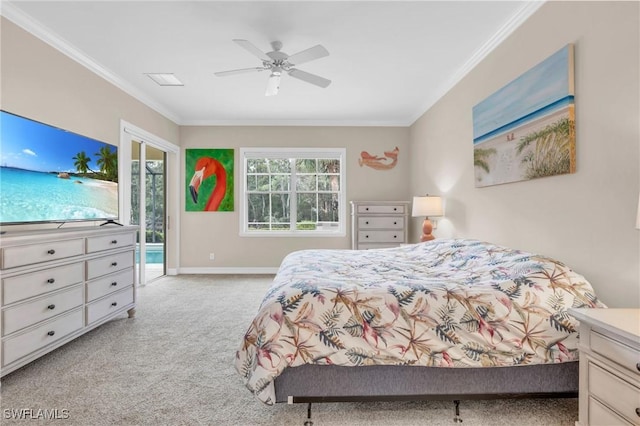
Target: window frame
(293,153)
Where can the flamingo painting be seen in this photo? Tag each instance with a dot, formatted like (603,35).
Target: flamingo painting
(211,184)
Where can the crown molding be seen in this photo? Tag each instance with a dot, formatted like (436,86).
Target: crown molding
(37,29)
(300,123)
(517,19)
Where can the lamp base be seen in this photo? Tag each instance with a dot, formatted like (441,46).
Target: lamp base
(427,228)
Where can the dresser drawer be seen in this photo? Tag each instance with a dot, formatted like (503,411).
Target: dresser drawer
(380,222)
(24,286)
(111,303)
(378,209)
(614,350)
(40,309)
(366,246)
(109,284)
(36,253)
(599,415)
(381,236)
(23,344)
(621,396)
(109,264)
(107,242)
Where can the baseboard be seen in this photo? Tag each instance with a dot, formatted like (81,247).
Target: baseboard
(228,270)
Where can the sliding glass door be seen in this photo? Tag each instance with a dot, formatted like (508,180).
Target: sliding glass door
(148,201)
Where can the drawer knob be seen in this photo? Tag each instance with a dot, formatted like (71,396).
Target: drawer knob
(395,236)
(114,241)
(367,208)
(115,283)
(395,223)
(51,280)
(395,209)
(114,304)
(51,333)
(366,236)
(52,307)
(367,222)
(114,263)
(51,251)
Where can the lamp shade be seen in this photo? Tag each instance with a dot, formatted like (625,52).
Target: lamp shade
(427,206)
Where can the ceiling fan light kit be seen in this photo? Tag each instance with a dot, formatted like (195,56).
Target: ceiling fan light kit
(278,62)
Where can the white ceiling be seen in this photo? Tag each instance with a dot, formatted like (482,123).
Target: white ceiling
(389,60)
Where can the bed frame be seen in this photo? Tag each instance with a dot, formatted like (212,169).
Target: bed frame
(328,383)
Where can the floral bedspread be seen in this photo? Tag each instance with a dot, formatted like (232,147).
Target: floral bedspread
(444,303)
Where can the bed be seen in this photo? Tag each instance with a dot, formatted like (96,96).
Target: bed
(454,319)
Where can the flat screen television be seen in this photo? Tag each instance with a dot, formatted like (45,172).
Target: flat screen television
(49,174)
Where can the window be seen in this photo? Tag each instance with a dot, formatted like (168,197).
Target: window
(292,192)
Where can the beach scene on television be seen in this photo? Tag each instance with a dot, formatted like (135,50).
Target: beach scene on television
(51,175)
(526,130)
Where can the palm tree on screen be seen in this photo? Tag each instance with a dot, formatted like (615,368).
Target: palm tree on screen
(81,162)
(108,163)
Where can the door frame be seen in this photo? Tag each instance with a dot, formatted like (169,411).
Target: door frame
(128,133)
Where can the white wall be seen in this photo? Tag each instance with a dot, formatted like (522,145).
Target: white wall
(584,219)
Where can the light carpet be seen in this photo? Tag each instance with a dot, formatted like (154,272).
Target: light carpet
(173,365)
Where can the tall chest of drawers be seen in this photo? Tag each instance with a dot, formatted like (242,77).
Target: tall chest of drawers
(609,366)
(58,284)
(379,224)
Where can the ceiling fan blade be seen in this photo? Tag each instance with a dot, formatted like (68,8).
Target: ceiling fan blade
(315,52)
(240,71)
(273,85)
(252,49)
(310,78)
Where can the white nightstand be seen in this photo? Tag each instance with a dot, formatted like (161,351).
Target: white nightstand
(609,366)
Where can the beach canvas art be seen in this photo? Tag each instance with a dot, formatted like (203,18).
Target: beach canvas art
(209,180)
(526,129)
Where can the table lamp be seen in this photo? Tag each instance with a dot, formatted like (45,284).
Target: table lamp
(427,206)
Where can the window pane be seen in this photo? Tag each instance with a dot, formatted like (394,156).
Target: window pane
(262,183)
(307,165)
(328,208)
(306,183)
(252,182)
(258,208)
(280,212)
(280,182)
(307,208)
(279,165)
(256,165)
(329,183)
(329,166)
(259,226)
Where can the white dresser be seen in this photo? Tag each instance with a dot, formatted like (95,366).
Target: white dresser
(609,366)
(58,284)
(379,224)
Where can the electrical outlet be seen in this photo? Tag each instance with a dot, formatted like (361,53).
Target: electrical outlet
(434,223)
(212,256)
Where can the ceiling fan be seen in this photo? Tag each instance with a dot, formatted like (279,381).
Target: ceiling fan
(278,62)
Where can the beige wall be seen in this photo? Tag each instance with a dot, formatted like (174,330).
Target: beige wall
(39,82)
(585,219)
(205,232)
